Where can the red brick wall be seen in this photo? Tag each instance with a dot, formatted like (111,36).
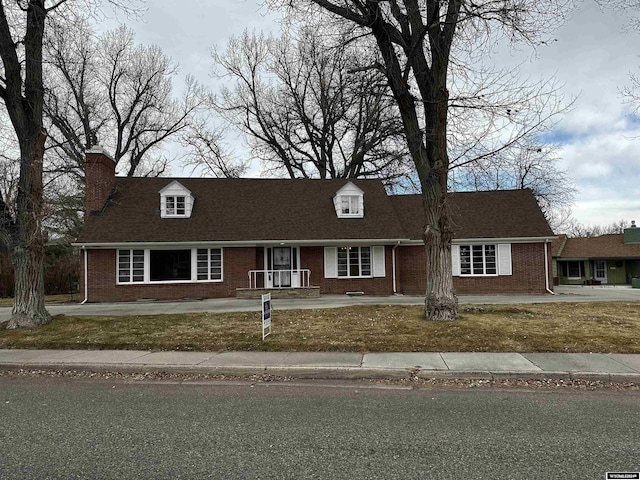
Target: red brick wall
(313,259)
(527,264)
(100,179)
(527,261)
(102,279)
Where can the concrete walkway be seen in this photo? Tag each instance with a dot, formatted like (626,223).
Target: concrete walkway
(492,366)
(564,293)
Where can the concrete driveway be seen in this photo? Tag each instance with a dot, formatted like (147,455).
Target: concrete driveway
(563,294)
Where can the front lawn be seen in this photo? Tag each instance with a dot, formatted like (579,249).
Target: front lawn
(612,327)
(60,298)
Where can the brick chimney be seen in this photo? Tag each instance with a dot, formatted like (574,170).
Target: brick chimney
(100,178)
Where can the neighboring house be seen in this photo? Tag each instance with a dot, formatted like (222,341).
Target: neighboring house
(607,259)
(166,238)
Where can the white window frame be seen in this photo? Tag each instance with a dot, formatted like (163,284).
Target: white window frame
(176,211)
(209,269)
(349,264)
(147,266)
(353,197)
(176,201)
(130,268)
(353,206)
(484,260)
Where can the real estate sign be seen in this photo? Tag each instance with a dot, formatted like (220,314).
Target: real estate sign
(266,315)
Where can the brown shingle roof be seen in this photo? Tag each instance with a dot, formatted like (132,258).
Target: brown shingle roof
(557,245)
(493,214)
(241,209)
(274,209)
(604,246)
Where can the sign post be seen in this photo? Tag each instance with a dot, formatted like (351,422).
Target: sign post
(266,315)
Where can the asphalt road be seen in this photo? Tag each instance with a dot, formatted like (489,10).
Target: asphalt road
(74,428)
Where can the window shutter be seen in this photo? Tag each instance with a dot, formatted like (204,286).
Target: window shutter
(330,262)
(378,261)
(504,259)
(455,260)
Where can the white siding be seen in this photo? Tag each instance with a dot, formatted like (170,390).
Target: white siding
(351,190)
(176,189)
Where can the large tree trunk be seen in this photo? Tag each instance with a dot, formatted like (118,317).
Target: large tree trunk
(441,302)
(27,250)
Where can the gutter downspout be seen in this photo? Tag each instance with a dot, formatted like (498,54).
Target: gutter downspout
(393,263)
(86,280)
(546,268)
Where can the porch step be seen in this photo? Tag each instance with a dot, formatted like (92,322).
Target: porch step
(306,292)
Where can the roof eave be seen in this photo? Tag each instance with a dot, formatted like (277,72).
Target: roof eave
(244,243)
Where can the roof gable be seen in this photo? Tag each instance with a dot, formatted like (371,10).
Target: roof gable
(176,201)
(174,188)
(349,201)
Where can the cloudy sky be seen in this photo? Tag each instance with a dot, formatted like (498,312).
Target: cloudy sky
(592,57)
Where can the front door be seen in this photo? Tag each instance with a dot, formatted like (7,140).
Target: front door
(281,257)
(282,267)
(600,271)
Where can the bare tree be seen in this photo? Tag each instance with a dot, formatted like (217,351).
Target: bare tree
(208,151)
(573,228)
(527,165)
(114,92)
(309,108)
(22,30)
(420,43)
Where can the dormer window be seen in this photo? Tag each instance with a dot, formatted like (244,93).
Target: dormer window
(175,206)
(349,202)
(176,201)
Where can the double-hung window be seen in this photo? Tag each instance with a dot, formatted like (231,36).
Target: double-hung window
(571,269)
(350,205)
(130,266)
(175,206)
(354,262)
(478,260)
(209,264)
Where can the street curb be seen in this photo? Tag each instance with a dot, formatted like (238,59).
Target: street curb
(452,375)
(329,373)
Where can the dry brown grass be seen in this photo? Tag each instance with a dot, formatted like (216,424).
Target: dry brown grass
(62,298)
(551,327)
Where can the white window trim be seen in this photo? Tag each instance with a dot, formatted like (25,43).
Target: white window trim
(504,260)
(147,266)
(165,198)
(175,190)
(354,194)
(349,276)
(194,265)
(484,261)
(131,281)
(352,199)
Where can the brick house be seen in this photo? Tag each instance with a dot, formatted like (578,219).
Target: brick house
(174,238)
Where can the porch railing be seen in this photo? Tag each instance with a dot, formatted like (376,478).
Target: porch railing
(279,278)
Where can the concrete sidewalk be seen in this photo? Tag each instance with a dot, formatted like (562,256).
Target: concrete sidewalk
(615,368)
